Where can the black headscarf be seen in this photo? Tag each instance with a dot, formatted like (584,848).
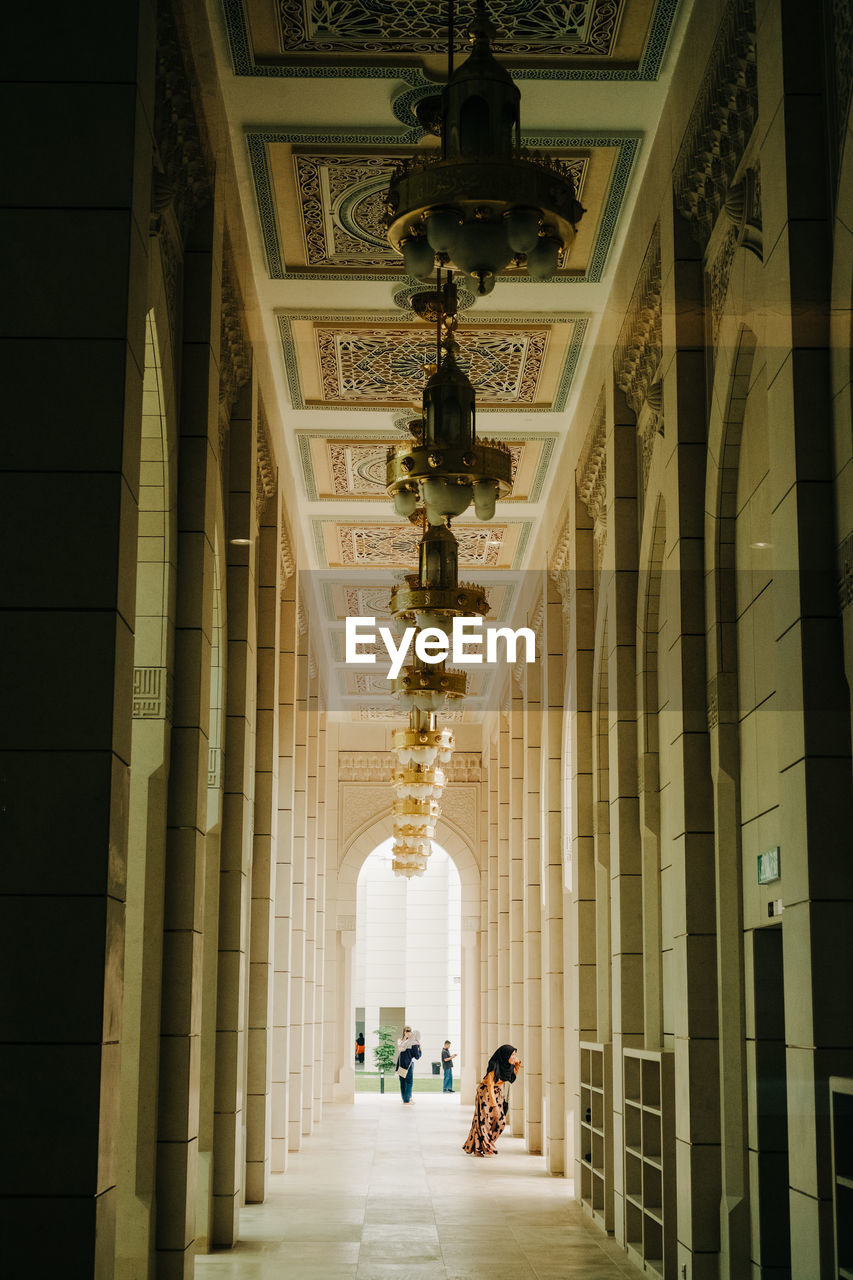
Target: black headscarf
(500,1065)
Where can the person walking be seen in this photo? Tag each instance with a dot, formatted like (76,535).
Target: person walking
(490,1107)
(447,1066)
(408,1051)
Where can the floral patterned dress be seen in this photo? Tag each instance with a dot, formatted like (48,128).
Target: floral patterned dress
(486,1126)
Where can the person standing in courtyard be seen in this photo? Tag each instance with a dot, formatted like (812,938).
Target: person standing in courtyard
(447,1066)
(489,1105)
(408,1051)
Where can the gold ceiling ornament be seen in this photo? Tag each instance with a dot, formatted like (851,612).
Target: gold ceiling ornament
(483,202)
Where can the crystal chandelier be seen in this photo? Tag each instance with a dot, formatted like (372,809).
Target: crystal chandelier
(484,202)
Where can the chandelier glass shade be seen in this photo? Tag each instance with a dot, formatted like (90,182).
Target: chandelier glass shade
(419,745)
(409,858)
(482,202)
(445,468)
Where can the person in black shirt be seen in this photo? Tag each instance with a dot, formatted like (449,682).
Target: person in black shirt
(447,1065)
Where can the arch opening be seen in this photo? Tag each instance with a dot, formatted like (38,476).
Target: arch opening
(408,953)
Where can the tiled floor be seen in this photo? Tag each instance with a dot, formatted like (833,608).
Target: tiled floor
(384,1192)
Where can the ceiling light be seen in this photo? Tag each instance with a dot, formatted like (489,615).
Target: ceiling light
(485,202)
(445,467)
(433,596)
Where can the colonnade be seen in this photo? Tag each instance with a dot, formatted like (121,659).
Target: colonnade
(188,816)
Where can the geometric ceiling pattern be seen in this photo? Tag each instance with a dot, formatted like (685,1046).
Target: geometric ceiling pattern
(342,202)
(385,364)
(393,544)
(344,600)
(320,199)
(608,39)
(353,468)
(374,360)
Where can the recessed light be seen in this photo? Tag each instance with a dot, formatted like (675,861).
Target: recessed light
(759,546)
(240,542)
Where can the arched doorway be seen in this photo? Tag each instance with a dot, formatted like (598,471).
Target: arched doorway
(451,839)
(408,963)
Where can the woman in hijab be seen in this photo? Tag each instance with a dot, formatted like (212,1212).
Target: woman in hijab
(408,1051)
(489,1109)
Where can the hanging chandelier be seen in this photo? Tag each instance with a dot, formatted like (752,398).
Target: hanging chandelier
(484,202)
(433,596)
(445,468)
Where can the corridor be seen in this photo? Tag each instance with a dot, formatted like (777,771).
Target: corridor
(384,1192)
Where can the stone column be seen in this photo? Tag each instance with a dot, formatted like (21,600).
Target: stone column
(346,1005)
(298,902)
(687,812)
(74,267)
(280,1098)
(237,822)
(338,1072)
(504,792)
(472,1068)
(813,743)
(320,926)
(309,1014)
(554,1059)
(192,850)
(264,842)
(532,956)
(577,598)
(493,882)
(626,882)
(483,948)
(517,853)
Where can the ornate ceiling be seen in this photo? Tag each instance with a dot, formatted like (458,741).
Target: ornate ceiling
(320,98)
(320,199)
(286,37)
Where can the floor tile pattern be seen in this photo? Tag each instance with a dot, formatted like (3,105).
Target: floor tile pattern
(384,1192)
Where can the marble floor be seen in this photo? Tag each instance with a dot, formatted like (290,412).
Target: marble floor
(384,1192)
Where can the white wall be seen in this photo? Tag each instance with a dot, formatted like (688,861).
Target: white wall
(408,950)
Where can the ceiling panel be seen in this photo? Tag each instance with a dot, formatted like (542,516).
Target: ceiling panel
(321,197)
(364,360)
(342,468)
(292,37)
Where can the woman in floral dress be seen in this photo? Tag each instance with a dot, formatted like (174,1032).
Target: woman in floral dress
(489,1118)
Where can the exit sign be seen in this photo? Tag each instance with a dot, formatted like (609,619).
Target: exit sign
(768,866)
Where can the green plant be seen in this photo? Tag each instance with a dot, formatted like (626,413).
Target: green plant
(385,1053)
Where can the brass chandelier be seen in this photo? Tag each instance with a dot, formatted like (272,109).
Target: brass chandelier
(481,205)
(442,458)
(483,202)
